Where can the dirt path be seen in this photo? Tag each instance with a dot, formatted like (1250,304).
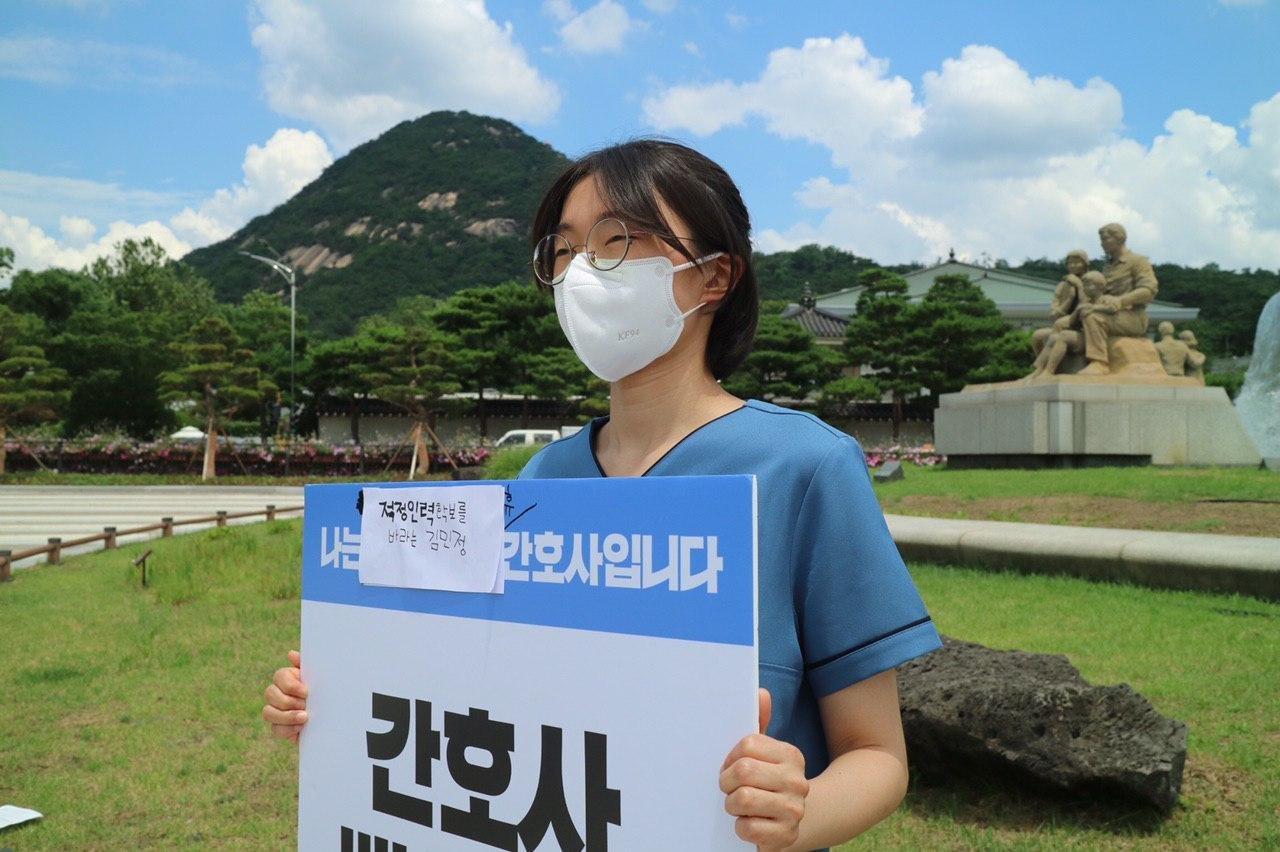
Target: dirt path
(1258,519)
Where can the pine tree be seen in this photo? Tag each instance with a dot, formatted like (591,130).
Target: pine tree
(879,336)
(30,389)
(216,374)
(412,367)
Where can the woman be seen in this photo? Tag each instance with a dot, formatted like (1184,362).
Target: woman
(646,248)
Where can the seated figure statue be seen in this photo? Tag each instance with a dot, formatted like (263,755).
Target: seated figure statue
(1067,335)
(1121,310)
(1065,299)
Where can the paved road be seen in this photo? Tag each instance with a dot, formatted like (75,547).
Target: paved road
(30,514)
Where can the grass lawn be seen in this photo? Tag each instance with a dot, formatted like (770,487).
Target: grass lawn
(130,716)
(1231,501)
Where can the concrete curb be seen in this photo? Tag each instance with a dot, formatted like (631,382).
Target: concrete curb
(1247,565)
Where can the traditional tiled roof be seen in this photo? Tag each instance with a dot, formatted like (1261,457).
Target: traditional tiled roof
(816,321)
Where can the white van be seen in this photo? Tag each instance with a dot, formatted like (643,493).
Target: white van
(523,437)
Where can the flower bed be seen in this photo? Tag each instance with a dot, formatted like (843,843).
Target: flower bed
(925,456)
(305,458)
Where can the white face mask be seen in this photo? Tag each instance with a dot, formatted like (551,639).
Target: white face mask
(622,320)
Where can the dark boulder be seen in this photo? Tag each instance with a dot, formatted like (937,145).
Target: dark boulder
(1032,719)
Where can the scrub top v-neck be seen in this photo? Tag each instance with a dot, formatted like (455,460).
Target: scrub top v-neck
(836,603)
(593,431)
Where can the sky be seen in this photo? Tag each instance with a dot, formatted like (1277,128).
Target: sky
(896,131)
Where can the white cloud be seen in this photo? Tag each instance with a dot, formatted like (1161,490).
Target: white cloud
(355,69)
(829,91)
(987,158)
(34,249)
(600,29)
(735,20)
(273,172)
(660,7)
(691,48)
(984,106)
(76,230)
(64,62)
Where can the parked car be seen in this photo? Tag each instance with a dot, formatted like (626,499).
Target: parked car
(523,437)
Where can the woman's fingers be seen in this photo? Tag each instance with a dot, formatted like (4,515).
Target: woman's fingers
(276,716)
(749,772)
(281,701)
(754,802)
(766,834)
(289,681)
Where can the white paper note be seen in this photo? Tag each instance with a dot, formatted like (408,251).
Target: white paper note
(14,815)
(433,537)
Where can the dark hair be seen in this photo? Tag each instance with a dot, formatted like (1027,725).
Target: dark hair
(630,176)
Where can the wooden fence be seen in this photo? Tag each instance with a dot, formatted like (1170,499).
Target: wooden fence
(110,536)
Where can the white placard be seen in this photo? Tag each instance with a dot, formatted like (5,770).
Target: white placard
(433,537)
(589,707)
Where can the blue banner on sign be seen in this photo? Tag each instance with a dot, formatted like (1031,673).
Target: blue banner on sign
(670,556)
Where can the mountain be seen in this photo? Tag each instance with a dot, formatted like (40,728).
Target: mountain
(429,207)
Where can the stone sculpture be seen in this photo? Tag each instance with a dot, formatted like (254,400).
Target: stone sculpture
(1120,311)
(1064,301)
(1101,392)
(1195,358)
(1174,353)
(1065,335)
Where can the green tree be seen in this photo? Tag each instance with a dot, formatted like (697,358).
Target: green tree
(496,329)
(109,327)
(1007,358)
(55,295)
(954,334)
(141,278)
(340,370)
(783,275)
(6,260)
(30,388)
(838,393)
(879,336)
(784,362)
(262,322)
(412,367)
(216,375)
(552,373)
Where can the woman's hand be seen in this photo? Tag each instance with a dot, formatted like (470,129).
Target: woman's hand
(764,786)
(286,707)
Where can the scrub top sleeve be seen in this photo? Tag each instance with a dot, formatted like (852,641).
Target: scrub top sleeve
(859,611)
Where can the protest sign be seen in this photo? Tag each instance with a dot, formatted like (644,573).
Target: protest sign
(587,700)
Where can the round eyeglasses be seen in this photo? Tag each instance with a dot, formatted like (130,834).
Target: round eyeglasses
(607,245)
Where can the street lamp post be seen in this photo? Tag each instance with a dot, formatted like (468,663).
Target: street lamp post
(292,278)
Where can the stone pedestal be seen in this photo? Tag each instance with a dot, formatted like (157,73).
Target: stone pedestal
(1072,421)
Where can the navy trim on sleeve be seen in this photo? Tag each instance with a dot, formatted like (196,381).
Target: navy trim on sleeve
(856,648)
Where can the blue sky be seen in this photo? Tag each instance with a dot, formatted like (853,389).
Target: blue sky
(894,130)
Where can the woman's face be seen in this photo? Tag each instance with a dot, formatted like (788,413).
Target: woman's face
(584,206)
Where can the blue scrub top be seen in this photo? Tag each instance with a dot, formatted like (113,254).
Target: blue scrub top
(836,602)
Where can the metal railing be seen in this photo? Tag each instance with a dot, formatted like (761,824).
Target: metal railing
(110,536)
